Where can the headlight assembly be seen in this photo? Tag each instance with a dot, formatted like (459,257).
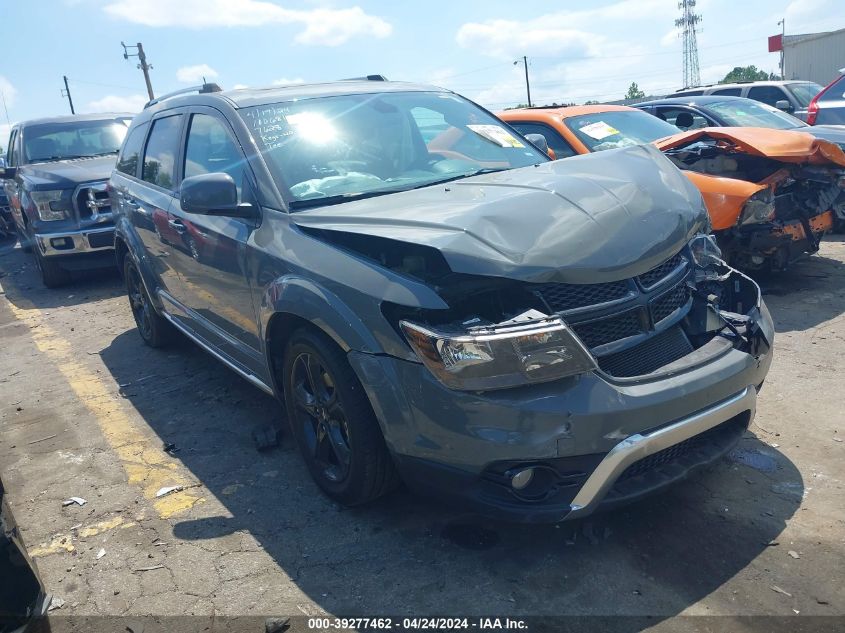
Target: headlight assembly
(51,205)
(705,252)
(498,356)
(758,209)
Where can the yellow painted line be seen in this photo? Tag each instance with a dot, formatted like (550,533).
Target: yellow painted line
(64,542)
(146,465)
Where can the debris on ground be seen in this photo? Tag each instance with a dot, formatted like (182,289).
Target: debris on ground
(101,553)
(777,589)
(77,500)
(276,625)
(56,603)
(151,568)
(49,437)
(168,490)
(266,437)
(170,448)
(793,553)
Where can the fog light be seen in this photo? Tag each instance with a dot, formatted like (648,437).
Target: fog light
(522,478)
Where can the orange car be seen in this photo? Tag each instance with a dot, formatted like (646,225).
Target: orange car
(770,193)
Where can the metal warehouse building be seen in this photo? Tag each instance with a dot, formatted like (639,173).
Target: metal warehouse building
(814,56)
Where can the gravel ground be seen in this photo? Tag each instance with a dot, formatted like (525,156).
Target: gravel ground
(87,410)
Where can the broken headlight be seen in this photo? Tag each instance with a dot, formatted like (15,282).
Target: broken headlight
(758,209)
(705,251)
(507,354)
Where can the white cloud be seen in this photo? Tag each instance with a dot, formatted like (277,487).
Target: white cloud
(578,33)
(287,82)
(5,130)
(195,74)
(670,37)
(114,103)
(8,90)
(323,27)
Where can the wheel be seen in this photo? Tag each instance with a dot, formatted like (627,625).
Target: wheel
(52,275)
(333,423)
(154,329)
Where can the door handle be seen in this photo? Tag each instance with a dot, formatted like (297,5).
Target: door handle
(176,225)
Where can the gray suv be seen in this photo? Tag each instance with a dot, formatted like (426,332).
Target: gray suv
(434,300)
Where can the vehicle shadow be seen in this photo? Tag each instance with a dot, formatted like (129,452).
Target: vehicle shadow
(408,555)
(26,291)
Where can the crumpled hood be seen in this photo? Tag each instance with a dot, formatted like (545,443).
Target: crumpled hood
(586,219)
(67,174)
(789,146)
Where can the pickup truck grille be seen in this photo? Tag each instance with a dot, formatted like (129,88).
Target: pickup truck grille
(629,325)
(92,201)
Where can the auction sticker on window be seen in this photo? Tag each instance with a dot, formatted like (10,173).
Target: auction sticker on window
(498,135)
(599,130)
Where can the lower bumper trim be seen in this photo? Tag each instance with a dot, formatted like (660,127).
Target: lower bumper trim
(73,242)
(640,445)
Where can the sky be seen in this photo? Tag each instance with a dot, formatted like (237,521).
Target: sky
(576,50)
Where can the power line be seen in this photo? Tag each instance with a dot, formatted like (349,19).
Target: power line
(97,83)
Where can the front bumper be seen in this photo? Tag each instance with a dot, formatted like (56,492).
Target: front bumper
(584,433)
(779,244)
(90,240)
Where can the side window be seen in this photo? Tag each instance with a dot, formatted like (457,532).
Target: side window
(160,155)
(688,93)
(768,94)
(682,118)
(211,149)
(10,151)
(729,92)
(127,162)
(561,148)
(836,92)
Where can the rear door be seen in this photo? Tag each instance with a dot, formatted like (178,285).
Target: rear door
(212,263)
(149,198)
(831,104)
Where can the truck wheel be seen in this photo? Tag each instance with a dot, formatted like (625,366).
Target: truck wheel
(155,330)
(333,422)
(52,275)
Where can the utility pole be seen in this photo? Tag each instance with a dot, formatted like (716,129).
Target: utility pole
(783,49)
(524,62)
(143,65)
(66,93)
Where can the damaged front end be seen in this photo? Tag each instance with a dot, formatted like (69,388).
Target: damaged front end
(797,197)
(674,317)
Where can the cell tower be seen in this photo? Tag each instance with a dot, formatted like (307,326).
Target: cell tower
(688,21)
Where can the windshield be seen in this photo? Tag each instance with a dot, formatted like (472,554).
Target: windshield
(73,139)
(608,130)
(331,149)
(748,113)
(804,93)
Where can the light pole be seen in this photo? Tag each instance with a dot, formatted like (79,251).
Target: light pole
(524,62)
(783,49)
(143,65)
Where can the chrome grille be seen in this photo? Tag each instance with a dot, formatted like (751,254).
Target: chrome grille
(92,201)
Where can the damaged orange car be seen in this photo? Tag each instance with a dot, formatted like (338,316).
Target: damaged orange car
(771,194)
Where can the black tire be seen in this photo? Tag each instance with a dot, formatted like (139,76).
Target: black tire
(333,423)
(154,329)
(25,242)
(52,275)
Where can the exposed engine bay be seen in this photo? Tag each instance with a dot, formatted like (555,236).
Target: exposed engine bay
(796,202)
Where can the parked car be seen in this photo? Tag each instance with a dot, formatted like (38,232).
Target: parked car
(771,194)
(22,594)
(828,106)
(790,96)
(528,337)
(691,113)
(55,179)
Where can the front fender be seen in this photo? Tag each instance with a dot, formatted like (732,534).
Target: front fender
(300,297)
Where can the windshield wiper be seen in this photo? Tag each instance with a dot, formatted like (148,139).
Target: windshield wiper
(477,172)
(340,198)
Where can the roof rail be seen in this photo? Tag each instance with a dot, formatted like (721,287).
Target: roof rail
(201,89)
(367,78)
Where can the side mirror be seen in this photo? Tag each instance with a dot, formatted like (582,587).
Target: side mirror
(213,194)
(8,173)
(2,162)
(783,104)
(539,141)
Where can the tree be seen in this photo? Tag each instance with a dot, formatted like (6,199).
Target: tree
(746,73)
(634,91)
(592,102)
